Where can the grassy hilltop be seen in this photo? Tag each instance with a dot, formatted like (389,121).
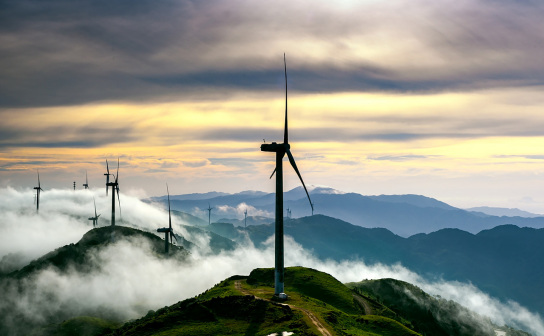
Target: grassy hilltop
(318,304)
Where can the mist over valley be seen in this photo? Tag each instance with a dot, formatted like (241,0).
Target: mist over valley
(124,278)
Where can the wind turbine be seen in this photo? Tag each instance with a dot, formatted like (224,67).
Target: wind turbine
(95,218)
(86,184)
(38,189)
(281,149)
(209,214)
(168,232)
(114,187)
(313,208)
(107,176)
(245,219)
(288,213)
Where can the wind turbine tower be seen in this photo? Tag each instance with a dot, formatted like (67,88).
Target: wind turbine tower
(281,149)
(107,176)
(209,214)
(114,187)
(95,218)
(38,189)
(86,184)
(245,219)
(168,232)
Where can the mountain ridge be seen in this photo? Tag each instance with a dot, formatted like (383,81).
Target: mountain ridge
(404,215)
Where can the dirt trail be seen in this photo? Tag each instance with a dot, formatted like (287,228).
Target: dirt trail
(363,303)
(309,314)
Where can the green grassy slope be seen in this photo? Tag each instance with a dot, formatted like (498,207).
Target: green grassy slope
(76,255)
(243,306)
(429,315)
(81,326)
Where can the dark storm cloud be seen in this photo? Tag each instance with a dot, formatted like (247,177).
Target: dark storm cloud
(66,52)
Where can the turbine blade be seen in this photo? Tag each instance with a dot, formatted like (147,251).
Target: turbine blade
(107,166)
(292,160)
(173,237)
(117,176)
(94,207)
(86,179)
(285,134)
(119,200)
(38,178)
(274,172)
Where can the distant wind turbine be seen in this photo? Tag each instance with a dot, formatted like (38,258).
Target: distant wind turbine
(280,150)
(209,214)
(168,232)
(107,176)
(74,185)
(86,184)
(95,218)
(38,189)
(288,213)
(114,187)
(313,208)
(245,219)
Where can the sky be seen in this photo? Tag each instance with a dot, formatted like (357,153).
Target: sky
(439,98)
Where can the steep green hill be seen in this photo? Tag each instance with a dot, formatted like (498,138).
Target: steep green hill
(429,315)
(318,304)
(77,256)
(80,258)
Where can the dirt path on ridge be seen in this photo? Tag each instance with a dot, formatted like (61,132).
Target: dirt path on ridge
(309,314)
(363,303)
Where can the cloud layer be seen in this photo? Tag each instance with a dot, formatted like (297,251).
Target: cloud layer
(114,290)
(58,53)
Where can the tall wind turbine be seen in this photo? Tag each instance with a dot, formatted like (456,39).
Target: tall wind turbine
(86,184)
(107,176)
(168,232)
(38,189)
(209,214)
(95,218)
(281,149)
(114,187)
(245,219)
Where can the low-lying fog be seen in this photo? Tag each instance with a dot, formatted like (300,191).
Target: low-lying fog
(132,280)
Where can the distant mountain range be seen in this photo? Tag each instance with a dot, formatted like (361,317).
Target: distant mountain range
(404,215)
(508,212)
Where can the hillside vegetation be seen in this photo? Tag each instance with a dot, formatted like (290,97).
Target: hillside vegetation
(318,304)
(77,255)
(429,315)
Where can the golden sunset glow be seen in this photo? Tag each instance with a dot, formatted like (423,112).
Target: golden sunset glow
(425,102)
